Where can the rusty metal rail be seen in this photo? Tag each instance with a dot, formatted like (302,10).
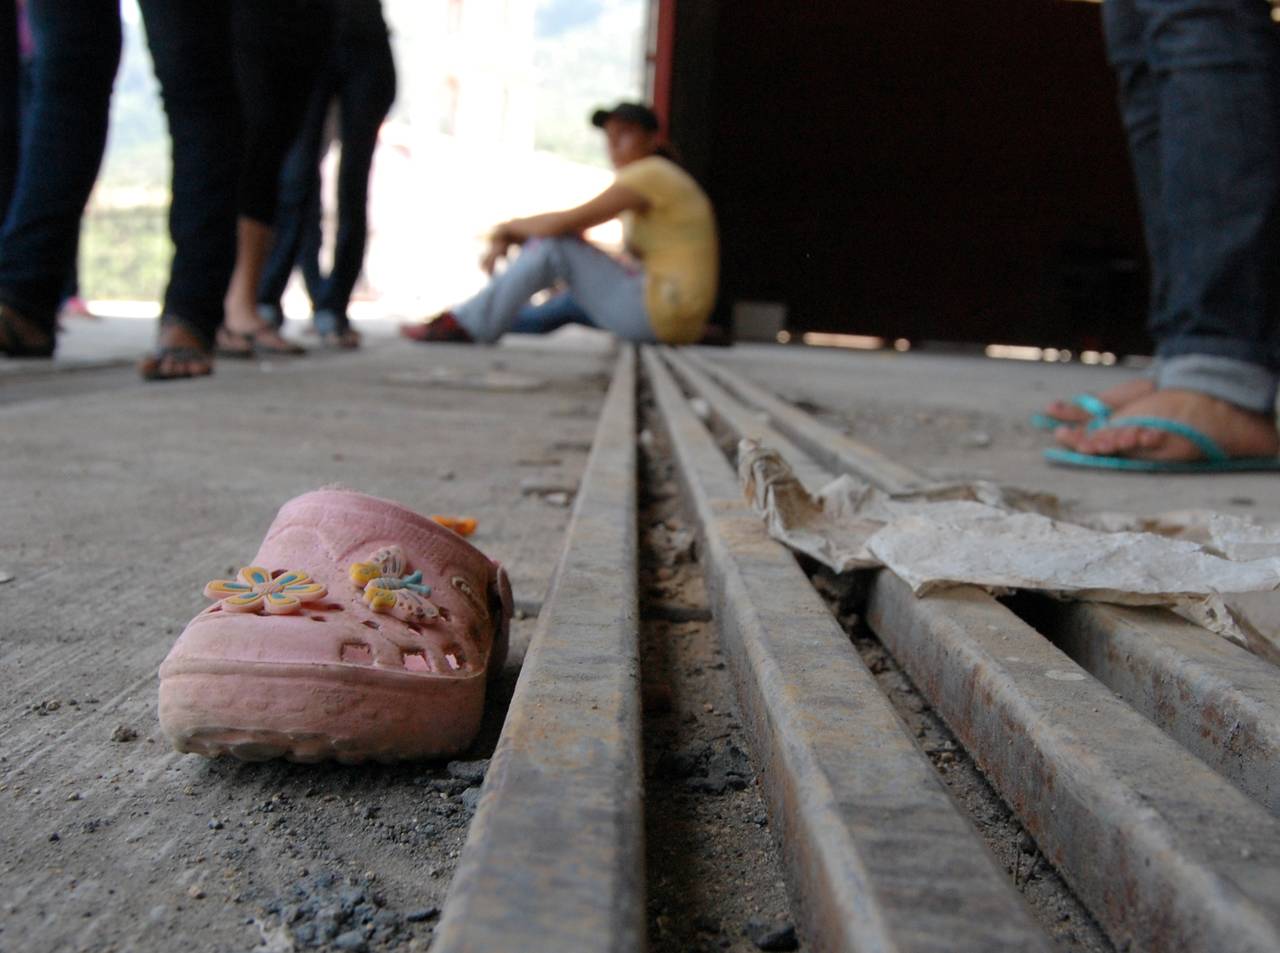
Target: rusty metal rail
(1218,700)
(878,855)
(1165,852)
(554,859)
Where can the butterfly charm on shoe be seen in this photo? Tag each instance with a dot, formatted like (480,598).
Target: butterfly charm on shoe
(254,589)
(388,589)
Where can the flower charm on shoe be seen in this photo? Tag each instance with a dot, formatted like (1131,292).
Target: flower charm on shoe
(388,589)
(254,589)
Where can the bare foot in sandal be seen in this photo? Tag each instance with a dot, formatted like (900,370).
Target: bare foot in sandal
(1240,433)
(1070,412)
(179,355)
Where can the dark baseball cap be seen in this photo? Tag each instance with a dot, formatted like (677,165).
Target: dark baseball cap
(642,116)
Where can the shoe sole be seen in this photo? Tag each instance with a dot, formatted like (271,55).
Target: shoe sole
(310,713)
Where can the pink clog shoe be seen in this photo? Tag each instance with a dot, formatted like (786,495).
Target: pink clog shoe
(362,631)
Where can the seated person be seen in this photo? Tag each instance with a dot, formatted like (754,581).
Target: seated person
(663,290)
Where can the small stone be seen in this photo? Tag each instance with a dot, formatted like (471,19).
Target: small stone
(352,940)
(73,796)
(124,733)
(195,893)
(708,707)
(55,836)
(215,824)
(5,577)
(978,439)
(387,920)
(557,499)
(472,772)
(422,915)
(471,798)
(772,935)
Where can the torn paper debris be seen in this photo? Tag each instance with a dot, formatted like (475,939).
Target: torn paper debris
(1004,539)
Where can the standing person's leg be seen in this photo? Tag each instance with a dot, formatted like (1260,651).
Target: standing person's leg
(10,79)
(1138,94)
(299,194)
(1216,165)
(190,47)
(280,46)
(77,50)
(366,90)
(610,294)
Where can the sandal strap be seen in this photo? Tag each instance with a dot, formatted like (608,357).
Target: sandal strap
(1211,449)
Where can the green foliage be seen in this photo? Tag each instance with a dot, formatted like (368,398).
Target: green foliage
(125,253)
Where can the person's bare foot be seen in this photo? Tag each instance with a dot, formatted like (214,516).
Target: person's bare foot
(1113,397)
(1239,432)
(179,354)
(244,332)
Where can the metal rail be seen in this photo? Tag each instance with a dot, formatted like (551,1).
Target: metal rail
(1218,700)
(554,860)
(878,855)
(1166,853)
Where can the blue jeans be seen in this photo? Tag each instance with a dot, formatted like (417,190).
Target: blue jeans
(191,47)
(9,79)
(612,294)
(551,315)
(64,132)
(1199,85)
(63,136)
(360,75)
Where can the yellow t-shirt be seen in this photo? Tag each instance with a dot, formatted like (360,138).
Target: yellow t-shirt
(676,239)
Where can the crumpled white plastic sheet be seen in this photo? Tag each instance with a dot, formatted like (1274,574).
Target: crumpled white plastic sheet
(1003,539)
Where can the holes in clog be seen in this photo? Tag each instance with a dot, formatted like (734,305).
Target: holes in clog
(415,662)
(357,653)
(277,573)
(470,595)
(370,624)
(445,614)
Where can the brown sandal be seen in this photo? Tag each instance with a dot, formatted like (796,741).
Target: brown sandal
(16,332)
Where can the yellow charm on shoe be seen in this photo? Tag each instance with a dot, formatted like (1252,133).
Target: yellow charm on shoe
(255,588)
(387,589)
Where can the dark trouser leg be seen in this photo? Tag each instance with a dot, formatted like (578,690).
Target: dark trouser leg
(1218,66)
(191,47)
(280,47)
(299,195)
(64,134)
(1139,100)
(366,92)
(9,98)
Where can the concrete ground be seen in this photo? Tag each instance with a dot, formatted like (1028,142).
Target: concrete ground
(119,501)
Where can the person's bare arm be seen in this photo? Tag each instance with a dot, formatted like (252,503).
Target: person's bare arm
(609,204)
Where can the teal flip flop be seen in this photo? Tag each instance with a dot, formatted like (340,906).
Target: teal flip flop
(1091,405)
(1215,459)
